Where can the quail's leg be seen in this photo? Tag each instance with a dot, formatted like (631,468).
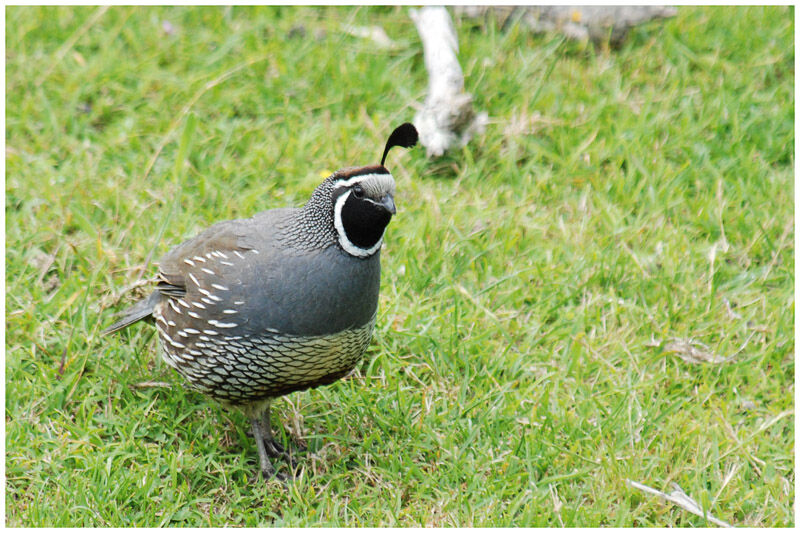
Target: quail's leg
(267,470)
(273,447)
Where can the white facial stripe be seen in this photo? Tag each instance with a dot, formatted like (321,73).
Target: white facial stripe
(348,246)
(363,177)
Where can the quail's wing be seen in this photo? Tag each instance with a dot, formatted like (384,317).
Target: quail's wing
(216,274)
(194,259)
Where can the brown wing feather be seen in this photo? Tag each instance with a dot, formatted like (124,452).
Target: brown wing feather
(176,265)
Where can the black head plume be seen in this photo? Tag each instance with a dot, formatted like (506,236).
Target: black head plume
(404,135)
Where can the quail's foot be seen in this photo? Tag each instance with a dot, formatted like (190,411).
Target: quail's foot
(277,451)
(273,448)
(269,473)
(267,470)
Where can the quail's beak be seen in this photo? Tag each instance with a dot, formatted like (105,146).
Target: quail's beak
(388,202)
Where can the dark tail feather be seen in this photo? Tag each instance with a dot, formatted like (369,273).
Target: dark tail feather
(138,311)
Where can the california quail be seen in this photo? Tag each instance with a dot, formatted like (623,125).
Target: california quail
(252,309)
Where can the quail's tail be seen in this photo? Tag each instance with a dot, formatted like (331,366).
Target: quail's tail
(138,311)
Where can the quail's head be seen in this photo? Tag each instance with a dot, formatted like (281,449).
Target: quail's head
(361,199)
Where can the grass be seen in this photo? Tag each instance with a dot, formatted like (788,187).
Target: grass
(534,283)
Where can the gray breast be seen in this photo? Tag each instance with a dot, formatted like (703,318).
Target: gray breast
(299,290)
(312,293)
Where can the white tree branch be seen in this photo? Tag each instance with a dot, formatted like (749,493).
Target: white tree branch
(447,118)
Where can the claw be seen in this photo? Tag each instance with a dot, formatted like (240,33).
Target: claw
(277,451)
(269,447)
(270,473)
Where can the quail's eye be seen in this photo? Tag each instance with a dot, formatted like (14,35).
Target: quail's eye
(358,191)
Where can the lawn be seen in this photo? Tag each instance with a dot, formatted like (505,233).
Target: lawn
(598,289)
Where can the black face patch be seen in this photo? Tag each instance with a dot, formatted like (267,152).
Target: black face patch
(364,221)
